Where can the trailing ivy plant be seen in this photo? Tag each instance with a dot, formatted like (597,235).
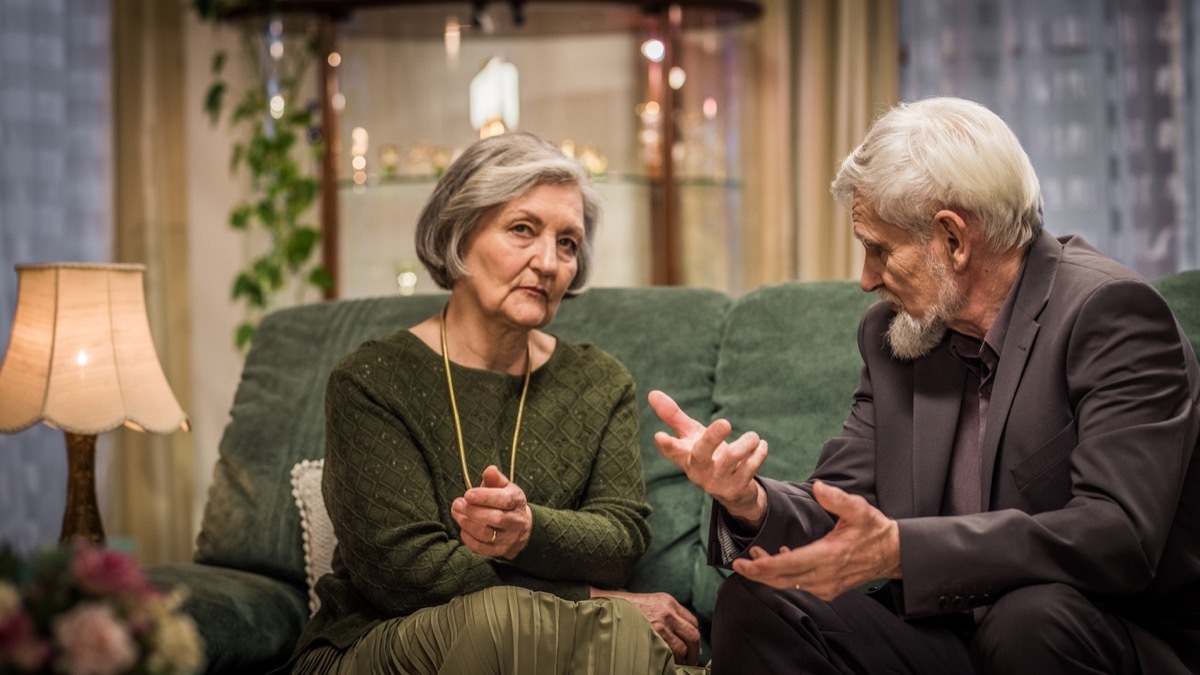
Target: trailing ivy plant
(283,189)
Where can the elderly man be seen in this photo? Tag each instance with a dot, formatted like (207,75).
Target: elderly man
(1014,486)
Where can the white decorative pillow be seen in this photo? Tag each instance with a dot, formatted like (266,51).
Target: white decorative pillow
(315,527)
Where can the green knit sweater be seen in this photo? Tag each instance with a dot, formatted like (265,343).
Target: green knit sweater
(392,469)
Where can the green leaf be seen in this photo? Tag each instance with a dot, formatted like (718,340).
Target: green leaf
(239,219)
(246,286)
(319,277)
(252,106)
(301,118)
(213,101)
(267,213)
(299,246)
(218,61)
(244,333)
(235,157)
(269,271)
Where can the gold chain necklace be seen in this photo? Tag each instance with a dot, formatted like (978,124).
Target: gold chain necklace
(462,450)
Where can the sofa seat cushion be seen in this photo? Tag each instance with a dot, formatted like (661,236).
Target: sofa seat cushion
(249,623)
(639,326)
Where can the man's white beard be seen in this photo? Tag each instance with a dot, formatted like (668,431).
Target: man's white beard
(911,338)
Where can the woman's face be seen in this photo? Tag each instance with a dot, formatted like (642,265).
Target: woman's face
(523,255)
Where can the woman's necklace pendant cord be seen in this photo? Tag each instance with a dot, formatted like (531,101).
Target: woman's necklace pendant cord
(462,450)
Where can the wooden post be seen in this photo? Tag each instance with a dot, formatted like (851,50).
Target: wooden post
(327,86)
(665,239)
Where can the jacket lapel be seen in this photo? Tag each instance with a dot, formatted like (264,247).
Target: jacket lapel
(1032,296)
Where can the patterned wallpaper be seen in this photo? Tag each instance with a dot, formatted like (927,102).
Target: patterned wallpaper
(55,205)
(1102,95)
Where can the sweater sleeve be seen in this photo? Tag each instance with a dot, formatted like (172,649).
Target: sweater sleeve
(601,539)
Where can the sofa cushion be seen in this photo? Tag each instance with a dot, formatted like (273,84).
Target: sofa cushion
(639,326)
(249,623)
(787,368)
(1181,292)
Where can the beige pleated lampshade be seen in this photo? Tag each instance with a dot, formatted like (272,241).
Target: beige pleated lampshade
(81,357)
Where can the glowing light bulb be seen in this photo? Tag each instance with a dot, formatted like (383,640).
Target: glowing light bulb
(676,77)
(654,49)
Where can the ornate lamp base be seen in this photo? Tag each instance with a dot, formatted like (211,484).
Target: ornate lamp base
(82,516)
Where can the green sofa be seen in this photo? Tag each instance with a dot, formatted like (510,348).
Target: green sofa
(780,360)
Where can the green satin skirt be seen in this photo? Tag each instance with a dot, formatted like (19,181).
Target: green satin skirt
(506,630)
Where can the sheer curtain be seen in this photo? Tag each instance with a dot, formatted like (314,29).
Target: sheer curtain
(151,493)
(1102,95)
(55,205)
(827,69)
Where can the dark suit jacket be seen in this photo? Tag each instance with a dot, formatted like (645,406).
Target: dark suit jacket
(1088,477)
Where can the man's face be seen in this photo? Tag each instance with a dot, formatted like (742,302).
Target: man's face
(912,276)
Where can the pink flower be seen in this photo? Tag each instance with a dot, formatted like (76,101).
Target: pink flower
(93,642)
(102,572)
(18,643)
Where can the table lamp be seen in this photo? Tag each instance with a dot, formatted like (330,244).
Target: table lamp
(81,360)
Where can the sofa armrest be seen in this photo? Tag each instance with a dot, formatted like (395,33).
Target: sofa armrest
(249,622)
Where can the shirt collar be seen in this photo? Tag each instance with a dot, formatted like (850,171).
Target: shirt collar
(993,341)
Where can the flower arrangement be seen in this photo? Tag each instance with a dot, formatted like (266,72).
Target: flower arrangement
(80,609)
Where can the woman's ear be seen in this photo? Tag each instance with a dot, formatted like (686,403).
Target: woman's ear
(953,233)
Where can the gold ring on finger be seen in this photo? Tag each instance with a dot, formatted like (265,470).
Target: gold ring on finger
(493,539)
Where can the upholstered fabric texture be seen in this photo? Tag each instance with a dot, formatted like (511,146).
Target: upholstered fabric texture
(637,326)
(788,365)
(249,622)
(1182,292)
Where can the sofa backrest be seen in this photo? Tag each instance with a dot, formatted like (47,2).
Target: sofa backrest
(787,367)
(782,361)
(668,339)
(1182,293)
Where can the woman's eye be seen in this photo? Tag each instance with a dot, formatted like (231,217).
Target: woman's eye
(569,244)
(523,228)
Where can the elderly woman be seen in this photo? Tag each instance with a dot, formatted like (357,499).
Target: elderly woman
(483,476)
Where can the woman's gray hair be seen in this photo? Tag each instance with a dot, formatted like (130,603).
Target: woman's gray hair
(492,172)
(945,153)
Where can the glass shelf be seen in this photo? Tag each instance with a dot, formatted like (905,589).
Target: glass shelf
(380,216)
(377,181)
